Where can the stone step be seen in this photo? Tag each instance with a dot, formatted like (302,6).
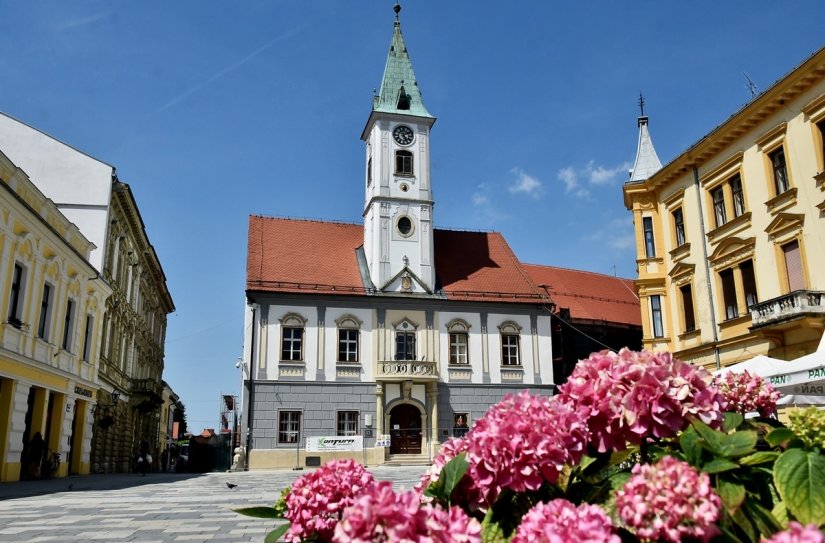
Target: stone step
(408,460)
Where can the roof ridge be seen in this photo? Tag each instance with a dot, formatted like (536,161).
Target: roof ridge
(578,271)
(305,219)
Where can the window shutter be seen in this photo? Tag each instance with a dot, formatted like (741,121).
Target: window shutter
(793,265)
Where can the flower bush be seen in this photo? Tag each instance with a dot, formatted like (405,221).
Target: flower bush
(629,396)
(636,447)
(669,501)
(746,393)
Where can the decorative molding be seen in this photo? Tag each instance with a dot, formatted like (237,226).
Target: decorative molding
(682,273)
(458,325)
(734,225)
(782,201)
(681,252)
(293,319)
(783,224)
(730,251)
(509,327)
(348,321)
(511,374)
(404,325)
(723,171)
(460,373)
(772,138)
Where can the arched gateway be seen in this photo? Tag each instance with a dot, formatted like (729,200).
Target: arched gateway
(405,429)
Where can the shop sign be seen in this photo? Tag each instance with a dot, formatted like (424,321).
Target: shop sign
(80,391)
(335,443)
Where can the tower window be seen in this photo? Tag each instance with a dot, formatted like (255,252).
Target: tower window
(647,226)
(405,226)
(369,172)
(403,163)
(403,99)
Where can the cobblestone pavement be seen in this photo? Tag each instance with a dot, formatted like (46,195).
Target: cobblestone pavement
(159,507)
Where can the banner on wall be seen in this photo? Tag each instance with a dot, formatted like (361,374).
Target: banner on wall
(335,443)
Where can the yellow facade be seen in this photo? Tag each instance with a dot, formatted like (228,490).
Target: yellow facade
(52,301)
(749,256)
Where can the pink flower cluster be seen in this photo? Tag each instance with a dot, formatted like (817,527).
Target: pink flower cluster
(746,393)
(797,533)
(380,515)
(318,499)
(630,395)
(669,501)
(520,443)
(559,521)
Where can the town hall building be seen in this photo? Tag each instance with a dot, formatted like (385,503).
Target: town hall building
(393,332)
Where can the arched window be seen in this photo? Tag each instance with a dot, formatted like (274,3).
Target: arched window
(403,163)
(405,340)
(459,341)
(348,335)
(510,355)
(292,337)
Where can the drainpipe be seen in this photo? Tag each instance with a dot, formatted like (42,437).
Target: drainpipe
(707,267)
(250,391)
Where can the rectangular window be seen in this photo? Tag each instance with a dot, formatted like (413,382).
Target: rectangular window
(780,172)
(289,426)
(729,294)
(821,126)
(403,163)
(369,172)
(749,283)
(687,307)
(347,423)
(405,345)
(656,316)
(650,247)
(510,350)
(679,225)
(87,338)
(291,344)
(738,195)
(45,312)
(461,424)
(793,266)
(16,296)
(718,195)
(458,348)
(68,326)
(347,345)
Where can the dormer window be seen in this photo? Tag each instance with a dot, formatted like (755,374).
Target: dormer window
(403,99)
(403,163)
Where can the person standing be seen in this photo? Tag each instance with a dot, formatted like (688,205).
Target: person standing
(37,448)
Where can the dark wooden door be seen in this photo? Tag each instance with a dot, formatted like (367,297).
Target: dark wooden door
(405,430)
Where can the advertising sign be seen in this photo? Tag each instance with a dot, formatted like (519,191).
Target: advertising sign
(335,443)
(383,440)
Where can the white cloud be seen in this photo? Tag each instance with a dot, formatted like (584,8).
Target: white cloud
(81,21)
(616,234)
(525,183)
(576,180)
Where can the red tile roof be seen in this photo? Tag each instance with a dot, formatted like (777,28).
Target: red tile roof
(589,296)
(303,256)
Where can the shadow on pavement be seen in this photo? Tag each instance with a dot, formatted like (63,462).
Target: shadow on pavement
(81,483)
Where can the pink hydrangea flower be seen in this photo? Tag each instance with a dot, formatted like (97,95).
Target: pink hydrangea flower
(520,443)
(669,501)
(797,533)
(628,396)
(559,521)
(381,515)
(746,393)
(318,499)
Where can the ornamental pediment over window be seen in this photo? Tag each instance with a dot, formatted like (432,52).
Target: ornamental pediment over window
(348,321)
(458,325)
(784,223)
(509,327)
(405,325)
(293,320)
(732,250)
(682,273)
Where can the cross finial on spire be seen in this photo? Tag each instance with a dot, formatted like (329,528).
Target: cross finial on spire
(642,104)
(397,9)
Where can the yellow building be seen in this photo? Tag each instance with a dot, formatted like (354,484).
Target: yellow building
(730,235)
(52,300)
(166,430)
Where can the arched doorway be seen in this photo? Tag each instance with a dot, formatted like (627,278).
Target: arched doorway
(405,430)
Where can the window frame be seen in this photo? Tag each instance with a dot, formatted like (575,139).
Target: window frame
(779,172)
(45,317)
(17,295)
(717,196)
(649,238)
(749,288)
(409,352)
(727,281)
(289,431)
(688,309)
(354,417)
(510,349)
(87,337)
(737,192)
(288,341)
(656,316)
(455,347)
(68,325)
(679,226)
(345,343)
(404,165)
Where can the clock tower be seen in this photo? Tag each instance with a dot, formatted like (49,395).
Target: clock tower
(398,207)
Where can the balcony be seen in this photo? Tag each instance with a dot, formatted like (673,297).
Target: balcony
(406,370)
(796,305)
(147,394)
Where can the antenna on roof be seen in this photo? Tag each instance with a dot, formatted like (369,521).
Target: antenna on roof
(614,270)
(751,85)
(642,104)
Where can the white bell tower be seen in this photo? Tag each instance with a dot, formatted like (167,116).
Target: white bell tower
(398,208)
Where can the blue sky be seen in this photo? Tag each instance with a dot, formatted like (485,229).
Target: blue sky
(212,111)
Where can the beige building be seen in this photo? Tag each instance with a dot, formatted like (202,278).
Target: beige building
(730,235)
(52,300)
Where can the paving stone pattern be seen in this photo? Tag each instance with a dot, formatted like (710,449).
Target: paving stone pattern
(160,507)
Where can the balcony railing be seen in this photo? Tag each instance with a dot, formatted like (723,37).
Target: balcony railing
(147,394)
(797,304)
(401,370)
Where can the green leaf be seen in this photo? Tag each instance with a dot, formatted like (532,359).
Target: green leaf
(732,494)
(761,457)
(739,444)
(718,465)
(742,520)
(762,518)
(778,436)
(492,531)
(711,439)
(727,537)
(780,513)
(690,442)
(259,512)
(799,477)
(452,473)
(277,533)
(732,421)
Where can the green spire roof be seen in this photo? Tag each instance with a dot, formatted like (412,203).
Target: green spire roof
(399,88)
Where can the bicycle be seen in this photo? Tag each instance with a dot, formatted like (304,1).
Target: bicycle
(51,464)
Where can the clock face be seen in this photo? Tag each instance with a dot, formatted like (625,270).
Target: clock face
(403,135)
